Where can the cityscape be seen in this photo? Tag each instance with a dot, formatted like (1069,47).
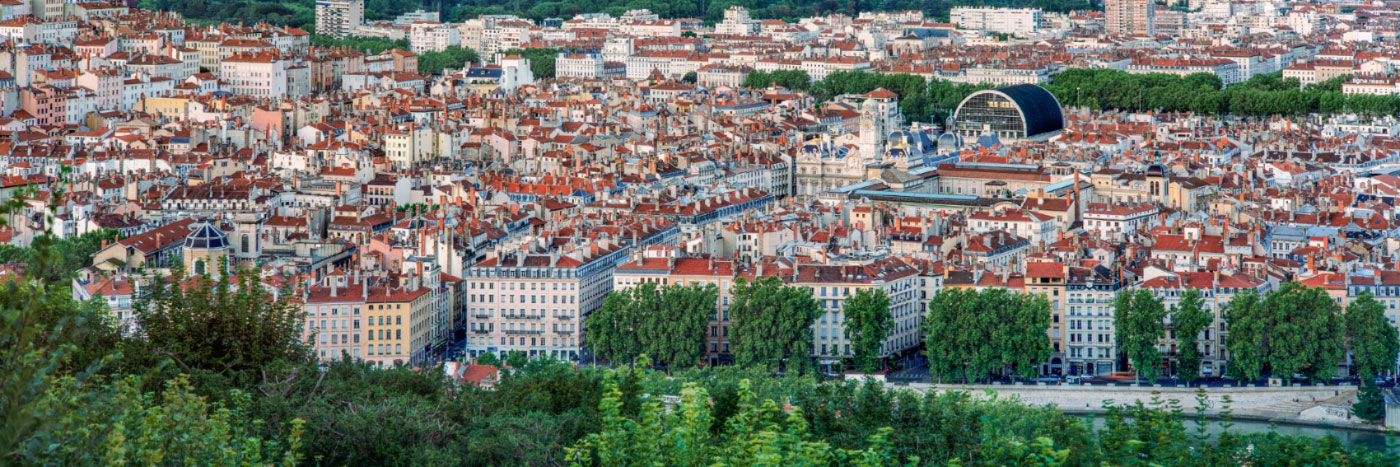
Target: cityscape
(778,232)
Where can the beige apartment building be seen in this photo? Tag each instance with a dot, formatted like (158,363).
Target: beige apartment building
(1130,17)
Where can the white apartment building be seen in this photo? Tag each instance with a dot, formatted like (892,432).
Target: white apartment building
(339,18)
(1091,344)
(537,302)
(737,22)
(261,74)
(425,36)
(1020,21)
(578,65)
(832,285)
(1111,221)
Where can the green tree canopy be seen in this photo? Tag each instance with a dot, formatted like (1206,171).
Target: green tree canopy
(772,324)
(1188,318)
(973,334)
(1137,318)
(1372,339)
(867,324)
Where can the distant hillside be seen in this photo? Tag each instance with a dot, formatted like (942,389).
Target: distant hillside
(302,13)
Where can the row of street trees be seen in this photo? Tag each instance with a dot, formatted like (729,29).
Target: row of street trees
(771,325)
(972,334)
(1292,330)
(932,100)
(1301,330)
(1267,94)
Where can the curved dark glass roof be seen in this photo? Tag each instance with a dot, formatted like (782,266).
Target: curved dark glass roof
(206,236)
(1041,109)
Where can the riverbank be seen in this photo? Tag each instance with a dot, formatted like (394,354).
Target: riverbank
(1311,406)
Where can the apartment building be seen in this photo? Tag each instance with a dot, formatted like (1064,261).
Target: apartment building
(1130,17)
(833,284)
(1021,21)
(432,36)
(687,271)
(1091,342)
(339,18)
(333,319)
(537,302)
(1048,280)
(256,74)
(1216,290)
(399,323)
(578,65)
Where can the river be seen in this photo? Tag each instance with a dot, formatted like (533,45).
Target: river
(1355,439)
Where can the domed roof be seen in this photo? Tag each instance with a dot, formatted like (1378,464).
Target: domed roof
(1156,170)
(206,237)
(949,141)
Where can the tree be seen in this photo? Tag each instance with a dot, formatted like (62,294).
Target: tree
(488,358)
(1248,321)
(229,324)
(971,334)
(1024,340)
(867,324)
(517,359)
(1137,317)
(1294,329)
(950,333)
(59,403)
(759,433)
(690,77)
(1370,404)
(1373,340)
(434,62)
(772,324)
(1305,334)
(612,329)
(665,323)
(1189,318)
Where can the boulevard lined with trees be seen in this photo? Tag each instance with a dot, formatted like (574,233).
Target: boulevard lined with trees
(221,375)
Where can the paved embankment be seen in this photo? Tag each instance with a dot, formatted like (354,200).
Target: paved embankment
(1279,404)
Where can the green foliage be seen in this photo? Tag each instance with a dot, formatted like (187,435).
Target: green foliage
(1248,325)
(1137,317)
(56,408)
(1189,318)
(488,358)
(119,425)
(433,62)
(920,100)
(295,13)
(758,433)
(665,323)
(971,334)
(517,359)
(72,254)
(690,77)
(867,324)
(1373,339)
(772,324)
(1370,404)
(790,79)
(541,60)
(1291,330)
(217,326)
(372,45)
(1267,94)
